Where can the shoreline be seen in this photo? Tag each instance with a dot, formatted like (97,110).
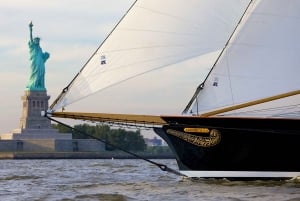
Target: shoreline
(80,155)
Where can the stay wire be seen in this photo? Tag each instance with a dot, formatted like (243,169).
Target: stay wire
(161,166)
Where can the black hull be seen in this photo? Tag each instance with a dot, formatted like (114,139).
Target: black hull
(245,146)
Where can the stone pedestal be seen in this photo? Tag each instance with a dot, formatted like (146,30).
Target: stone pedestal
(34,102)
(36,135)
(32,124)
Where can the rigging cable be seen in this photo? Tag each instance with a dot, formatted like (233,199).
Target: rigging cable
(161,166)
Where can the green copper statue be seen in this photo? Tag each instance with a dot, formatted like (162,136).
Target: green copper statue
(37,59)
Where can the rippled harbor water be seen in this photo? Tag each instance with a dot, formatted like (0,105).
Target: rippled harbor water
(120,180)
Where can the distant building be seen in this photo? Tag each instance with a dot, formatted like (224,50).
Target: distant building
(153,142)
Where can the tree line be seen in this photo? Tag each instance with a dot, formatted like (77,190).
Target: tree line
(128,140)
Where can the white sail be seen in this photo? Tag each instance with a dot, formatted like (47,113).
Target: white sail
(261,60)
(156,34)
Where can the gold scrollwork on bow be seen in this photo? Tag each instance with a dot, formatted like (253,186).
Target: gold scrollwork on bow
(213,139)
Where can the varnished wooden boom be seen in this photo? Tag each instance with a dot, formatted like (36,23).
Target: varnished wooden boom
(156,120)
(116,118)
(251,103)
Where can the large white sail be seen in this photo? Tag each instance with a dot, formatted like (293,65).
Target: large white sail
(261,60)
(156,34)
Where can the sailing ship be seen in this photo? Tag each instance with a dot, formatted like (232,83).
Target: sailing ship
(243,120)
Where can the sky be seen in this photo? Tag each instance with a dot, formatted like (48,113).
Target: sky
(71,30)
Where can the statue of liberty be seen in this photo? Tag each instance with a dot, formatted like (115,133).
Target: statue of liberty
(37,59)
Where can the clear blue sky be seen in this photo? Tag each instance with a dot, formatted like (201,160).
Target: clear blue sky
(70,30)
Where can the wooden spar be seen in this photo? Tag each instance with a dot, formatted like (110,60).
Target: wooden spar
(157,120)
(247,104)
(116,118)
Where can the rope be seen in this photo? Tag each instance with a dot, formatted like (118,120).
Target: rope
(161,166)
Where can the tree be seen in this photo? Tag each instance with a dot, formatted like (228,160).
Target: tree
(83,128)
(62,128)
(127,140)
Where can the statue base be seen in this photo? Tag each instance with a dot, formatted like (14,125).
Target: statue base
(32,124)
(36,134)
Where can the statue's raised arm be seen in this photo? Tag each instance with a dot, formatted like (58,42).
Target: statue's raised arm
(30,31)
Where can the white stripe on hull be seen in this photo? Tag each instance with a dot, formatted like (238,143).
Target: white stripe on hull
(224,174)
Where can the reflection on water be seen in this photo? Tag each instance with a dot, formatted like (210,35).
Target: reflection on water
(120,180)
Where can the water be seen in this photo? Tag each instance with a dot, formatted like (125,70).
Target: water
(120,180)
